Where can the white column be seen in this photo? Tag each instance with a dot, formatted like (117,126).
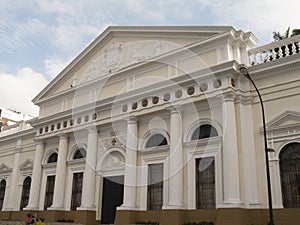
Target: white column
(230,153)
(33,203)
(59,186)
(248,156)
(89,176)
(13,181)
(276,183)
(130,179)
(175,178)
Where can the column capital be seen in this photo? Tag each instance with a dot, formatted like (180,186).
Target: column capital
(175,109)
(18,149)
(39,141)
(92,129)
(132,119)
(228,96)
(62,136)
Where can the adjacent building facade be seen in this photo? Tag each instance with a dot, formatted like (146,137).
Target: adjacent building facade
(158,124)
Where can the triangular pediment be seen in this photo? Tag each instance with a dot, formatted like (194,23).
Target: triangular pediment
(27,165)
(289,118)
(5,168)
(119,47)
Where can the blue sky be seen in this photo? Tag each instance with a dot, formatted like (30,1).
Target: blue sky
(38,38)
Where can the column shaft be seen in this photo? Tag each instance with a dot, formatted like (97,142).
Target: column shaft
(248,156)
(59,186)
(130,180)
(89,176)
(230,153)
(33,203)
(175,161)
(13,184)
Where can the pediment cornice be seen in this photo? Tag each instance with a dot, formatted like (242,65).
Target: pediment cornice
(290,119)
(4,169)
(275,67)
(213,34)
(27,165)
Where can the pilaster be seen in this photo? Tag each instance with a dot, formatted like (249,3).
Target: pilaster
(175,178)
(230,152)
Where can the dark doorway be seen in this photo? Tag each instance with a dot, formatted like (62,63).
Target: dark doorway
(112,197)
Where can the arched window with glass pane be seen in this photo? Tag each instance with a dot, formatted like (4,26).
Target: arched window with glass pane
(2,192)
(204,131)
(156,140)
(25,193)
(290,175)
(52,158)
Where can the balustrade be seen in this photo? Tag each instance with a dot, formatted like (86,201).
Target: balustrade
(274,50)
(14,128)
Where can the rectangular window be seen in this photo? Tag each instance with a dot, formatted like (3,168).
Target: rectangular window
(76,190)
(49,192)
(155,187)
(205,183)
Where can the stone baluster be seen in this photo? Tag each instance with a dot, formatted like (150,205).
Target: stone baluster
(294,50)
(280,53)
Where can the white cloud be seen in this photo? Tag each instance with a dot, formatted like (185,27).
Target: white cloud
(54,65)
(262,17)
(18,90)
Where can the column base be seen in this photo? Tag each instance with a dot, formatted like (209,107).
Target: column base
(28,208)
(231,204)
(56,208)
(9,209)
(180,206)
(255,204)
(86,208)
(127,207)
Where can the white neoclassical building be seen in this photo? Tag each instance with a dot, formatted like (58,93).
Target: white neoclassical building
(158,124)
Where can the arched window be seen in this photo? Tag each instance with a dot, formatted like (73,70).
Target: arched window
(2,192)
(25,193)
(204,131)
(156,140)
(52,158)
(290,175)
(80,153)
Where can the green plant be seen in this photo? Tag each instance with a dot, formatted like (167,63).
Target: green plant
(39,222)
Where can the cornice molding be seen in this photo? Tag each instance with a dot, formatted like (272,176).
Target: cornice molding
(274,67)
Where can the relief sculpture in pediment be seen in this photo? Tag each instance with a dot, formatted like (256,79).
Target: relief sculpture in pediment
(124,54)
(113,58)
